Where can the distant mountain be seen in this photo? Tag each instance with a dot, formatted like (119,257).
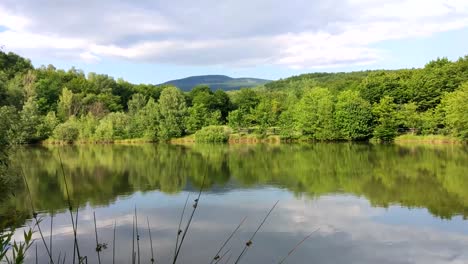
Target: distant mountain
(216,82)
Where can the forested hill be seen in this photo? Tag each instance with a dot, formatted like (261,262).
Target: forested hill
(216,82)
(46,103)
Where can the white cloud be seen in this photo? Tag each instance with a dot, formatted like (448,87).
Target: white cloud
(300,34)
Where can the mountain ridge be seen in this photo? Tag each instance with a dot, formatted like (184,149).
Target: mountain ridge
(215,82)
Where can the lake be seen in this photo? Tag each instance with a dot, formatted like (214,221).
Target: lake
(361,203)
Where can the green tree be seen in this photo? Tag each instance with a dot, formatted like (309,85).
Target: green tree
(66,106)
(136,103)
(314,114)
(113,126)
(172,110)
(353,116)
(410,117)
(49,123)
(30,121)
(455,105)
(68,131)
(87,126)
(387,119)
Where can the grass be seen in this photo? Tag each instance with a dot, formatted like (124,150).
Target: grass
(432,139)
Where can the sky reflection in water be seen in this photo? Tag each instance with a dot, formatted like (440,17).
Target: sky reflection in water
(354,228)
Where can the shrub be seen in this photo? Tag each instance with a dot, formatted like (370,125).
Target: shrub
(212,134)
(68,131)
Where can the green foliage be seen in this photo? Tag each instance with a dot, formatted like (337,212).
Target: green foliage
(353,116)
(455,105)
(68,131)
(212,134)
(172,109)
(87,127)
(9,119)
(30,122)
(319,106)
(137,103)
(65,105)
(113,126)
(314,114)
(386,118)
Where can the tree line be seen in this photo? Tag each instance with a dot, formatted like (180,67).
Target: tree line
(43,103)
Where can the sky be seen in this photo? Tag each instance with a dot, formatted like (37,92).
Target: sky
(151,41)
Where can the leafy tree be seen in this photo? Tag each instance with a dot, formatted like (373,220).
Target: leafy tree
(222,102)
(172,111)
(314,114)
(30,121)
(68,131)
(235,119)
(49,123)
(113,126)
(455,105)
(66,106)
(353,116)
(8,117)
(87,127)
(200,116)
(410,117)
(387,119)
(137,103)
(267,113)
(13,64)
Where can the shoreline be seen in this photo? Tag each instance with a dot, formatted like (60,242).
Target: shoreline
(276,140)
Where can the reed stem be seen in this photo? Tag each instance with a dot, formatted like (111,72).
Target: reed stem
(97,241)
(113,243)
(195,206)
(297,245)
(151,241)
(35,216)
(70,208)
(51,228)
(137,236)
(179,231)
(250,242)
(217,257)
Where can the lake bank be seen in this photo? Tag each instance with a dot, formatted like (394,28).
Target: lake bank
(258,139)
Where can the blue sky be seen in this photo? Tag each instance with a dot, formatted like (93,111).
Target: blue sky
(155,41)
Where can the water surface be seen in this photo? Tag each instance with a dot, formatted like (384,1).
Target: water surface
(366,203)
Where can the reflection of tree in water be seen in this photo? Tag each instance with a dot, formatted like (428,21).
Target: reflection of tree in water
(430,177)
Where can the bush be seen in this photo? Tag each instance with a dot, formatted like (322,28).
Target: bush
(212,134)
(67,131)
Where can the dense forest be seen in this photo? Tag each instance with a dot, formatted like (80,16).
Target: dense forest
(46,103)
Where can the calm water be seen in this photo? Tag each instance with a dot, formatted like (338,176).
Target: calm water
(370,203)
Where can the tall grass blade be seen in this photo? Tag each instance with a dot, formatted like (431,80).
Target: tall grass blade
(70,208)
(113,243)
(250,242)
(97,241)
(179,231)
(76,228)
(51,228)
(133,241)
(35,216)
(151,241)
(137,236)
(195,206)
(217,257)
(222,256)
(296,246)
